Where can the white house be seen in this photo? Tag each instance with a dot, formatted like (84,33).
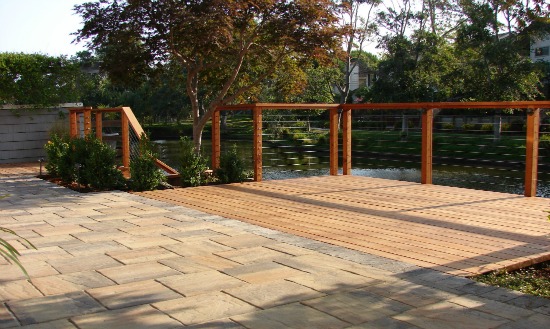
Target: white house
(361,76)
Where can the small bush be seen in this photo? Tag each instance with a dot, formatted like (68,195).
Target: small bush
(447,126)
(86,161)
(468,126)
(99,170)
(192,165)
(231,168)
(57,149)
(146,176)
(487,127)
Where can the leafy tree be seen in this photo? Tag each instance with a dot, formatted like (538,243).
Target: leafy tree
(158,97)
(37,79)
(320,81)
(357,32)
(494,66)
(226,47)
(415,69)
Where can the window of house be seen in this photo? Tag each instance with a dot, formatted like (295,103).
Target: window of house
(542,51)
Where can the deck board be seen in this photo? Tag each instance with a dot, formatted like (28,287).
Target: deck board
(454,230)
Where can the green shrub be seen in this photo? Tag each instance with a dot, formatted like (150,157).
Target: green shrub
(487,127)
(469,126)
(231,168)
(57,149)
(447,126)
(146,176)
(86,161)
(192,165)
(99,170)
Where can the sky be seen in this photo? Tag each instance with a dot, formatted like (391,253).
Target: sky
(44,27)
(39,26)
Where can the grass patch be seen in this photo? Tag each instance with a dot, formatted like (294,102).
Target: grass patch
(534,280)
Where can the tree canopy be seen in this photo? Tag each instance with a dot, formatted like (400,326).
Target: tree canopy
(37,79)
(474,50)
(225,47)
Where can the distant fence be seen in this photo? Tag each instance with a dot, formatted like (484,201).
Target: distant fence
(24,131)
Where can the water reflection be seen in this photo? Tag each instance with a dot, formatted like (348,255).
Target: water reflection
(285,163)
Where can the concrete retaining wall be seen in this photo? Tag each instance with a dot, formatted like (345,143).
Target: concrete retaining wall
(23,133)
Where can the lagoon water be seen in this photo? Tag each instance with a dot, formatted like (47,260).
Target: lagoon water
(285,162)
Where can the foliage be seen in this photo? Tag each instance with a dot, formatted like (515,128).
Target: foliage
(158,98)
(357,29)
(57,149)
(193,166)
(532,280)
(231,168)
(320,79)
(415,69)
(86,161)
(494,67)
(226,48)
(145,175)
(38,79)
(452,51)
(99,170)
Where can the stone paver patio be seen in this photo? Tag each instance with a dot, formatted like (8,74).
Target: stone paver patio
(117,260)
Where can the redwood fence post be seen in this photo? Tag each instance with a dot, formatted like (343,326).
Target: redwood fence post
(125,140)
(532,152)
(98,125)
(427,140)
(257,141)
(216,139)
(73,123)
(346,141)
(333,114)
(87,121)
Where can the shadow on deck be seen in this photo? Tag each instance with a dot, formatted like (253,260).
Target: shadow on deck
(454,230)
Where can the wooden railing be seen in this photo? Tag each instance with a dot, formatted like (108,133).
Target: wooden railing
(82,124)
(532,109)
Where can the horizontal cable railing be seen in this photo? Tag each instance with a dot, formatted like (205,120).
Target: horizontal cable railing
(452,143)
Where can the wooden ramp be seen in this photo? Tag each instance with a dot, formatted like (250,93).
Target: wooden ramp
(459,231)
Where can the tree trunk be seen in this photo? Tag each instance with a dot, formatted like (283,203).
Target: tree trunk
(197,138)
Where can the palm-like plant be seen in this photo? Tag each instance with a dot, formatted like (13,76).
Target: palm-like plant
(9,251)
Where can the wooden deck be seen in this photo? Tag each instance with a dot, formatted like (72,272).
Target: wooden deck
(459,231)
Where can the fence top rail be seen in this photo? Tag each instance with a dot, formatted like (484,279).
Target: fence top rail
(391,106)
(451,105)
(102,110)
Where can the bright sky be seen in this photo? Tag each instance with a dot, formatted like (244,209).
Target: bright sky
(44,26)
(39,26)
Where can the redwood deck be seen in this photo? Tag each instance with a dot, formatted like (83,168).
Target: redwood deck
(459,231)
